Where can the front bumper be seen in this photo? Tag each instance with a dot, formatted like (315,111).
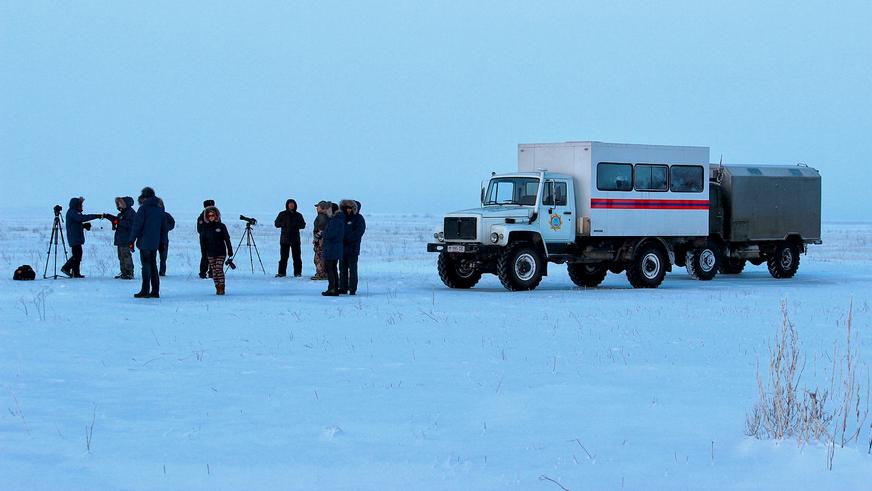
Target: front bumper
(455,248)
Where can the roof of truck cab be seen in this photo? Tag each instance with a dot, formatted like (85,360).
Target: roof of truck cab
(609,144)
(535,174)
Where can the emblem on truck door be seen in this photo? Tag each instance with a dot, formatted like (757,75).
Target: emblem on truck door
(556,222)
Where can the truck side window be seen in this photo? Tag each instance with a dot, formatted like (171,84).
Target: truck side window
(614,176)
(687,179)
(651,177)
(554,193)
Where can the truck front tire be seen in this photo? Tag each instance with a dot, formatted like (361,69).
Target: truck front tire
(702,262)
(587,275)
(785,261)
(520,267)
(648,267)
(455,273)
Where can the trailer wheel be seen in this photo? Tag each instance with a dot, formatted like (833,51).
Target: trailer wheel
(785,261)
(731,265)
(647,268)
(519,267)
(457,273)
(587,275)
(702,262)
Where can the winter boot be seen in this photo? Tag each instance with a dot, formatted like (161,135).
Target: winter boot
(219,289)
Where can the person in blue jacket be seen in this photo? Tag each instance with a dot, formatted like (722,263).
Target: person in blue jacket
(76,224)
(332,251)
(148,234)
(355,227)
(122,224)
(171,224)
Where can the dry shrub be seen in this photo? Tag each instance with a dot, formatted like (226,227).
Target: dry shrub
(784,409)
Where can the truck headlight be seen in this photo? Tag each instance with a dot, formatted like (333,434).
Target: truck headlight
(440,236)
(495,237)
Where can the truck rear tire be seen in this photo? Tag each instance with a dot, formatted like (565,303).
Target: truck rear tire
(731,265)
(785,261)
(455,274)
(647,268)
(702,262)
(587,275)
(520,267)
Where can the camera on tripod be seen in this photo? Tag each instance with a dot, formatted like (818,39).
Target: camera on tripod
(57,210)
(250,221)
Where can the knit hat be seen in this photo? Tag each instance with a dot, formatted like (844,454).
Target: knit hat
(208,203)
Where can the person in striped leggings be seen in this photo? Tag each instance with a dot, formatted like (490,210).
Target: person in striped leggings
(215,240)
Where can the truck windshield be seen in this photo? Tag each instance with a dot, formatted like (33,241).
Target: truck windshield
(520,191)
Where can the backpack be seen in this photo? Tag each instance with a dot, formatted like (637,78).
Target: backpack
(24,272)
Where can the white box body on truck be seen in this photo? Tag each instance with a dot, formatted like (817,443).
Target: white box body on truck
(600,207)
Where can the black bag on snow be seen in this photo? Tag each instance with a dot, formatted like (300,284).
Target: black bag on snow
(24,272)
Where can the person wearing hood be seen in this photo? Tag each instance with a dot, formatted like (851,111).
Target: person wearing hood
(201,222)
(171,224)
(321,220)
(291,222)
(215,240)
(355,227)
(332,251)
(148,234)
(122,224)
(76,224)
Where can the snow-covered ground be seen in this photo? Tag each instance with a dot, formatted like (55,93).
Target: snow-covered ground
(409,385)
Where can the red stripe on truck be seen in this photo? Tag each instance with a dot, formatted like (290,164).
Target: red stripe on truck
(650,204)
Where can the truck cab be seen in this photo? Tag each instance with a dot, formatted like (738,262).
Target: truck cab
(536,209)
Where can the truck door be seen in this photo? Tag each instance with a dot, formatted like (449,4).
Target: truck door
(716,210)
(556,214)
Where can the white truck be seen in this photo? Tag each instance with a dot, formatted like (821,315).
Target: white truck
(600,207)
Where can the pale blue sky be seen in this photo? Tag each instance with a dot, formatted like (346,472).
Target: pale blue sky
(408,105)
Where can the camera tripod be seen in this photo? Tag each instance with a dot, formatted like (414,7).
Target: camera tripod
(57,231)
(248,237)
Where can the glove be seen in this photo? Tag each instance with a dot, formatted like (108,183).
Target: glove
(230,263)
(86,226)
(130,245)
(115,224)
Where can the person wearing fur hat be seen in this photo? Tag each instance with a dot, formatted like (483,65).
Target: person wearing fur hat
(122,224)
(215,240)
(201,221)
(291,222)
(332,251)
(148,234)
(355,226)
(76,224)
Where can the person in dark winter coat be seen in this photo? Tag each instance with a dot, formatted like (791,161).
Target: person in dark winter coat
(123,224)
(332,252)
(201,221)
(148,233)
(355,227)
(323,209)
(291,222)
(171,224)
(76,224)
(215,240)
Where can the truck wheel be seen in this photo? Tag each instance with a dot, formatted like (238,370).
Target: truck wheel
(785,261)
(702,262)
(587,275)
(647,268)
(455,273)
(520,268)
(731,265)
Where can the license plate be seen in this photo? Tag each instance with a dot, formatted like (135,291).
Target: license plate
(456,248)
